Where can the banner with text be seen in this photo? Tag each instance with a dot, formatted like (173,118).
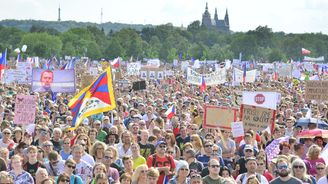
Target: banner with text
(53,81)
(262,99)
(316,90)
(25,109)
(214,78)
(257,118)
(238,76)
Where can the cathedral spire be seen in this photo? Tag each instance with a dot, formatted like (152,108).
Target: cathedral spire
(216,18)
(206,8)
(59,13)
(226,18)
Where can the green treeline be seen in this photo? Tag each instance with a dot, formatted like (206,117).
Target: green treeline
(165,42)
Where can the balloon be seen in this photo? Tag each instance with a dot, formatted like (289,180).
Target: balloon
(17,50)
(24,48)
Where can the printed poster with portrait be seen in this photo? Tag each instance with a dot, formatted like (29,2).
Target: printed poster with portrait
(53,81)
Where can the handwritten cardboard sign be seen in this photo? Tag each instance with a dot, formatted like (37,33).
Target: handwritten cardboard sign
(257,118)
(219,117)
(316,90)
(25,109)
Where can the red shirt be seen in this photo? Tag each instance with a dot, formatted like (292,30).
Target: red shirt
(161,162)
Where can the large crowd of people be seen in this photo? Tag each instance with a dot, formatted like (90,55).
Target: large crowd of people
(137,143)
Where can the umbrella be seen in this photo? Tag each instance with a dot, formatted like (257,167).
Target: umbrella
(305,122)
(313,133)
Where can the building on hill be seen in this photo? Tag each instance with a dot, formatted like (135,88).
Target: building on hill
(216,23)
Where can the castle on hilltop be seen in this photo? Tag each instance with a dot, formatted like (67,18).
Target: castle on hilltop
(216,23)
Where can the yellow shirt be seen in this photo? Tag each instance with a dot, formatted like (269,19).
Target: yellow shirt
(138,161)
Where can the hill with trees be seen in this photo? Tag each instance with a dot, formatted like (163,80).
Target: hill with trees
(164,41)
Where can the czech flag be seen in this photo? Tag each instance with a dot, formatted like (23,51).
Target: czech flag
(116,63)
(94,99)
(203,85)
(3,63)
(305,51)
(170,112)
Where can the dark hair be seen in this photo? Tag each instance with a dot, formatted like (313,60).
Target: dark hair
(63,176)
(224,168)
(284,144)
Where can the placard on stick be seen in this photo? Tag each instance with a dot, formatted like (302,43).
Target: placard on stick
(139,85)
(316,90)
(219,117)
(257,118)
(25,109)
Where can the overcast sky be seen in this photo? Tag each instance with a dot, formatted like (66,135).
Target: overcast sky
(290,16)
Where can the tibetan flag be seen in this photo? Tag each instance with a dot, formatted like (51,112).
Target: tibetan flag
(170,112)
(116,63)
(244,73)
(3,63)
(94,99)
(203,85)
(305,51)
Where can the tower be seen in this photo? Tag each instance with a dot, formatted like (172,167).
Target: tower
(216,18)
(206,21)
(59,13)
(226,18)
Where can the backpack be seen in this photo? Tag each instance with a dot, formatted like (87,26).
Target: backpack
(242,177)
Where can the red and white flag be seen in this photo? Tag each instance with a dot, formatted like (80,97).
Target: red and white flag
(170,112)
(305,51)
(116,63)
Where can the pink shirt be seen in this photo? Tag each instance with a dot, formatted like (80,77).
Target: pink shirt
(311,165)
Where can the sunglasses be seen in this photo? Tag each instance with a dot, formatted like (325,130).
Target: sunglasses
(6,133)
(71,166)
(214,166)
(283,167)
(320,168)
(55,162)
(162,146)
(298,166)
(196,176)
(144,171)
(208,146)
(248,150)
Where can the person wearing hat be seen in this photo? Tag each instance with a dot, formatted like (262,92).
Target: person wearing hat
(181,174)
(248,152)
(162,161)
(18,135)
(112,139)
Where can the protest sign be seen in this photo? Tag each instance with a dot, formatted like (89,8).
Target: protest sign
(257,118)
(25,109)
(154,63)
(53,81)
(93,71)
(139,85)
(160,75)
(261,99)
(214,78)
(237,129)
(18,76)
(316,90)
(152,75)
(144,75)
(133,69)
(284,70)
(238,76)
(219,117)
(184,65)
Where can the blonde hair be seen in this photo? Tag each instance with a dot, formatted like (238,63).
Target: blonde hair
(114,151)
(311,151)
(99,165)
(298,161)
(94,147)
(198,145)
(137,172)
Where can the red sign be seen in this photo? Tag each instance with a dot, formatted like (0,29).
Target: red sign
(259,98)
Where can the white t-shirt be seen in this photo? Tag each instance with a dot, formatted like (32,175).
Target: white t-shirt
(121,152)
(84,170)
(323,180)
(263,179)
(87,158)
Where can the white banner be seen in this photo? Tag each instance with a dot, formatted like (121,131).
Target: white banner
(184,65)
(238,76)
(284,69)
(133,68)
(143,75)
(214,78)
(262,99)
(154,63)
(152,75)
(18,76)
(321,58)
